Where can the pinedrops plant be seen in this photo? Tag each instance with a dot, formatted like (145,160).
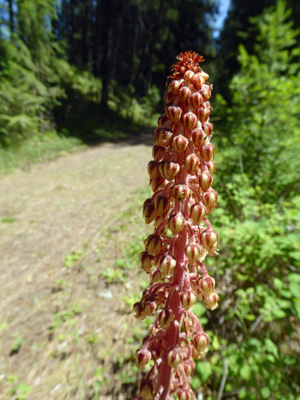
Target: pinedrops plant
(181,179)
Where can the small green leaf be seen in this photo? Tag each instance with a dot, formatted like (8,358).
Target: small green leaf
(265,392)
(8,220)
(278,283)
(271,347)
(199,309)
(293,277)
(297,308)
(250,317)
(295,289)
(215,343)
(245,372)
(295,255)
(278,313)
(204,370)
(196,382)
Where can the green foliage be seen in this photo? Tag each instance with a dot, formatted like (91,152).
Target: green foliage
(16,346)
(21,94)
(19,390)
(65,316)
(257,345)
(256,327)
(263,123)
(36,149)
(29,79)
(70,259)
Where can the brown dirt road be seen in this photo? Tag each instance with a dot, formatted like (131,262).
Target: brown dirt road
(59,325)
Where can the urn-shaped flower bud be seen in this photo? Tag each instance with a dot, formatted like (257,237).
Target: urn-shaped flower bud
(196,355)
(181,394)
(209,199)
(155,348)
(165,317)
(190,120)
(211,167)
(147,261)
(193,252)
(161,168)
(153,244)
(191,163)
(176,85)
(198,80)
(180,143)
(167,264)
(156,183)
(207,127)
(162,120)
(201,341)
(198,137)
(138,310)
(155,275)
(197,213)
(187,325)
(147,202)
(205,181)
(153,169)
(146,389)
(161,204)
(174,113)
(168,97)
(206,92)
(189,367)
(174,357)
(196,99)
(181,192)
(211,301)
(150,308)
(163,137)
(171,169)
(184,93)
(189,75)
(204,75)
(209,241)
(202,113)
(149,213)
(207,152)
(188,299)
(207,285)
(176,223)
(158,152)
(143,356)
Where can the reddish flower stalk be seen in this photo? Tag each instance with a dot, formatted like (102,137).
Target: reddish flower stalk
(181,179)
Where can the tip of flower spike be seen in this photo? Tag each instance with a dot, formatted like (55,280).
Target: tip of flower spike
(189,60)
(190,57)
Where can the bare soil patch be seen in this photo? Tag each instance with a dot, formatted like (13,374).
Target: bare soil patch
(62,325)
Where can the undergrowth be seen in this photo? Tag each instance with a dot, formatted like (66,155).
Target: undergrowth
(37,149)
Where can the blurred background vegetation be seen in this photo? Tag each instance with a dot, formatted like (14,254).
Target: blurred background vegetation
(75,72)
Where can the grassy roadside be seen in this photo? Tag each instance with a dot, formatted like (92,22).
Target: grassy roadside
(37,149)
(62,347)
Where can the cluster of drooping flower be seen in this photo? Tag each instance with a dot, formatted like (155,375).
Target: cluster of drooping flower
(181,179)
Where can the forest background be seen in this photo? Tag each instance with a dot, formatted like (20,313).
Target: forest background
(84,72)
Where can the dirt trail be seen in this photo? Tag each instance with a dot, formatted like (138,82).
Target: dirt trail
(47,212)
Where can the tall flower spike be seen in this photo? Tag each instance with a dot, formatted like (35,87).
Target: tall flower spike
(181,179)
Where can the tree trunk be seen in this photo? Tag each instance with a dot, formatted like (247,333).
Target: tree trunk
(11,17)
(85,34)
